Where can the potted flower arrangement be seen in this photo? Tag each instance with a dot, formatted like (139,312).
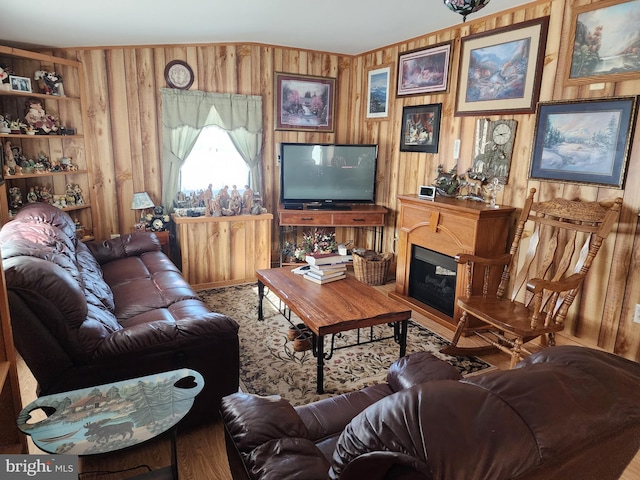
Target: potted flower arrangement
(319,240)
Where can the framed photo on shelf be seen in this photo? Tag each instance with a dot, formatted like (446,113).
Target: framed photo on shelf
(378,82)
(304,102)
(421,128)
(583,141)
(602,47)
(425,70)
(20,84)
(500,70)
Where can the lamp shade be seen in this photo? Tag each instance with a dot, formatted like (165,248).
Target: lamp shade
(141,200)
(465,7)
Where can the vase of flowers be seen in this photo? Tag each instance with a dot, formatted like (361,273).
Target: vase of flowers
(318,240)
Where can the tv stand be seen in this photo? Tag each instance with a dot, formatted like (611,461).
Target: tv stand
(357,215)
(328,206)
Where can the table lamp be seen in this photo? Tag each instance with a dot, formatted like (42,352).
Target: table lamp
(141,201)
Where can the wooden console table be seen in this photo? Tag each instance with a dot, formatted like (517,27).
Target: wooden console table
(357,216)
(447,226)
(220,251)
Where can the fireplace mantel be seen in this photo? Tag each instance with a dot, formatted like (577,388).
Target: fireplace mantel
(448,226)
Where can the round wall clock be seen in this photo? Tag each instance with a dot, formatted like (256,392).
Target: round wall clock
(501,133)
(178,75)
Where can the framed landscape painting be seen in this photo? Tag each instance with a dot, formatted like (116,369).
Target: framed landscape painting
(583,141)
(421,128)
(500,70)
(425,70)
(379,79)
(604,42)
(304,102)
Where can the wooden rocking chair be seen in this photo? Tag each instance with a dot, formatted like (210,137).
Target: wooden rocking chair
(565,238)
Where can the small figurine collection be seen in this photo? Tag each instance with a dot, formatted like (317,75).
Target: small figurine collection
(49,83)
(472,186)
(223,203)
(36,120)
(16,163)
(42,193)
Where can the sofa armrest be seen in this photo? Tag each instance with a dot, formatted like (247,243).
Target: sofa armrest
(252,420)
(419,367)
(128,245)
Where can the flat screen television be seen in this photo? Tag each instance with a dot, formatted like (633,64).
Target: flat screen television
(327,175)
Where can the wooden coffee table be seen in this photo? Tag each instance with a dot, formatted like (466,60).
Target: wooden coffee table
(333,308)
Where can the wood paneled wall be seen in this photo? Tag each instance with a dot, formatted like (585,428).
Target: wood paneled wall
(124,136)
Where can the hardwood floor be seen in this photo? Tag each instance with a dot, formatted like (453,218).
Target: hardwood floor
(201,451)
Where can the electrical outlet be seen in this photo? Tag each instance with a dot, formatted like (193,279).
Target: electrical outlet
(636,315)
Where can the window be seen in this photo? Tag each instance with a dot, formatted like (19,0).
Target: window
(213,160)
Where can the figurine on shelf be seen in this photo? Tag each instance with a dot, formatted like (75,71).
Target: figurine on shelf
(4,125)
(257,207)
(247,199)
(28,165)
(32,196)
(66,165)
(45,194)
(60,201)
(10,165)
(36,117)
(4,77)
(223,197)
(15,198)
(50,83)
(447,183)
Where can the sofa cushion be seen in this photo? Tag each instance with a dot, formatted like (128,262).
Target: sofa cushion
(143,283)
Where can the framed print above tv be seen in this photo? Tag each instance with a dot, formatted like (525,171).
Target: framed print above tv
(421,128)
(583,141)
(425,70)
(500,70)
(604,42)
(304,102)
(378,82)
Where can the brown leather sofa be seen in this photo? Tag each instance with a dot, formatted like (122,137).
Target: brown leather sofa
(90,313)
(563,413)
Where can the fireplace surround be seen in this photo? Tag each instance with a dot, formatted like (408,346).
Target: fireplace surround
(438,230)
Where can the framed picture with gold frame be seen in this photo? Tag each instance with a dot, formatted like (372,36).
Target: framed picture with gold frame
(500,70)
(603,44)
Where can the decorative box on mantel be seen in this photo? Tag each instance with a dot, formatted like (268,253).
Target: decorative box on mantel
(431,234)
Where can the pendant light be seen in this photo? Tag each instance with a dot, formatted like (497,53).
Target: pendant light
(465,7)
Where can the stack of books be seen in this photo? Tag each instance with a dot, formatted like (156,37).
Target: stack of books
(326,268)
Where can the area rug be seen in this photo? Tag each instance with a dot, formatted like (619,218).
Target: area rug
(270,366)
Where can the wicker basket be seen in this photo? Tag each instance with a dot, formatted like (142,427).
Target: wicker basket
(371,268)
